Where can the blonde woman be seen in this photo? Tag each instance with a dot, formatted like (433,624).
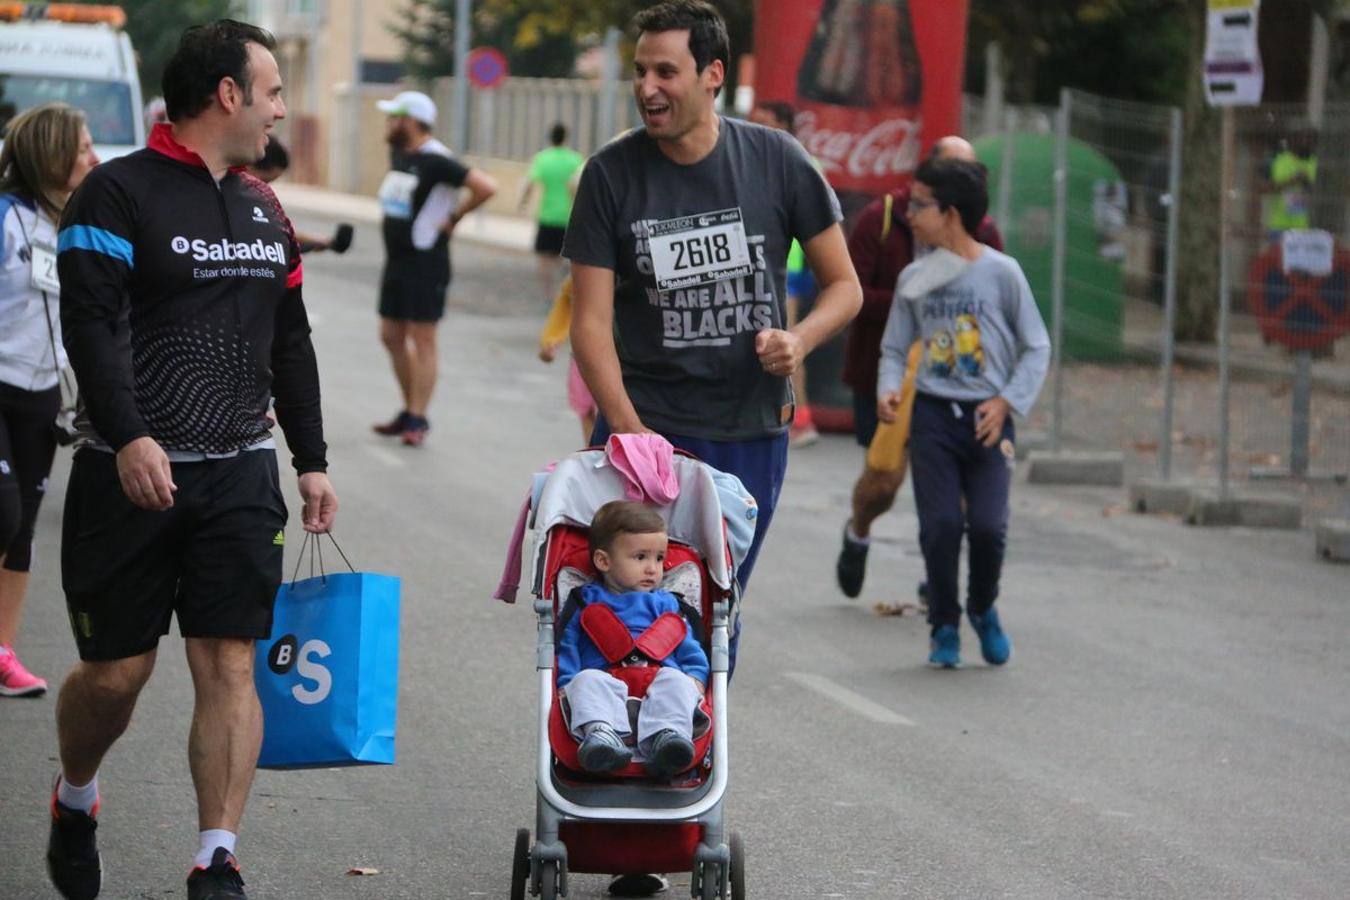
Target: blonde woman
(47,153)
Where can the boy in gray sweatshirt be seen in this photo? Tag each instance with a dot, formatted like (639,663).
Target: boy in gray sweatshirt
(986,352)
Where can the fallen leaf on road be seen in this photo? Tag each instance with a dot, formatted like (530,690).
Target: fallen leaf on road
(362,870)
(899,609)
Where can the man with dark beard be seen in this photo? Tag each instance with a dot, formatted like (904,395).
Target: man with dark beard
(420,198)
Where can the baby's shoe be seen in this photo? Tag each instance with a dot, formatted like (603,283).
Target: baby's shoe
(602,750)
(668,752)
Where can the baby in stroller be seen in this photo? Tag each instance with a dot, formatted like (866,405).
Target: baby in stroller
(626,622)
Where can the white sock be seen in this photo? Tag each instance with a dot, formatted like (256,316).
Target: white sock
(853,537)
(212,838)
(78,797)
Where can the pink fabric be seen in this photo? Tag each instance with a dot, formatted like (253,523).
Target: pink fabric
(578,395)
(647,463)
(510,583)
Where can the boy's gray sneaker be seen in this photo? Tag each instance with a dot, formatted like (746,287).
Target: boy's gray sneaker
(668,752)
(603,750)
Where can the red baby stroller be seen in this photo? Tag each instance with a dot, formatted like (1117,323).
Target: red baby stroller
(625,822)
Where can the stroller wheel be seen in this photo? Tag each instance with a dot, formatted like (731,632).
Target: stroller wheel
(736,882)
(520,864)
(548,880)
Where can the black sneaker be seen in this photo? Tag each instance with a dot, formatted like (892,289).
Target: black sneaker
(219,881)
(668,754)
(637,885)
(394,427)
(852,566)
(73,862)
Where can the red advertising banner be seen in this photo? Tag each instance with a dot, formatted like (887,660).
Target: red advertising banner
(874,82)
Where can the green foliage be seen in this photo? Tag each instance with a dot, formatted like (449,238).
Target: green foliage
(426,29)
(1131,49)
(154,27)
(539,37)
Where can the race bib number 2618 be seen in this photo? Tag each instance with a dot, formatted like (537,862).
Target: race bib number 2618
(699,249)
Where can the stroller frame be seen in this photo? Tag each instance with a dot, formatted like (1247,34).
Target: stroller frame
(596,816)
(558,803)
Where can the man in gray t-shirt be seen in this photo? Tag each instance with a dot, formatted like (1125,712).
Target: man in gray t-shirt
(678,241)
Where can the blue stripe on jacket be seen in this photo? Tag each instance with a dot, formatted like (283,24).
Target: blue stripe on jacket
(87,237)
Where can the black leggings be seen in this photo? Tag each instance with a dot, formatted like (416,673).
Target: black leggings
(27,447)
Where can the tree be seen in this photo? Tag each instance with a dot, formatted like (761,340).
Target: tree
(1130,49)
(155,25)
(427,30)
(540,37)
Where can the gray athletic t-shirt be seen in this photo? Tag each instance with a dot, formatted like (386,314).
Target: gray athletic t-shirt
(699,255)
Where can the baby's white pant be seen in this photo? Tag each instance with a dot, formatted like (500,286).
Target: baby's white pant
(597,696)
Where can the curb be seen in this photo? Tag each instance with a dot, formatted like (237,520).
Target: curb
(1081,468)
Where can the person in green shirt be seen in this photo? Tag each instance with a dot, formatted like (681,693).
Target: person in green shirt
(1293,173)
(555,171)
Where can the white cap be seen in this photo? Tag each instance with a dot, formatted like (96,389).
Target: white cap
(413,104)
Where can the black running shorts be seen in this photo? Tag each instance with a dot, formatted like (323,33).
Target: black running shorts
(413,289)
(548,241)
(213,559)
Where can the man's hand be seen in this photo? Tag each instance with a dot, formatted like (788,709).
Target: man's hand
(888,407)
(629,426)
(989,418)
(320,502)
(147,478)
(780,352)
(548,352)
(450,223)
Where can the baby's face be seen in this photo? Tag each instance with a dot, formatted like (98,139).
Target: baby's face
(633,562)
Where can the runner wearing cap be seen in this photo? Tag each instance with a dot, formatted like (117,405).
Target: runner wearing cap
(420,198)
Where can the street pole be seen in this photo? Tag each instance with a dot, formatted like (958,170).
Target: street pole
(463,27)
(609,88)
(1225,298)
(1057,277)
(1170,295)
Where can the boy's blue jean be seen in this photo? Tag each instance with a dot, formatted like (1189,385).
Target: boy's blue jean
(949,465)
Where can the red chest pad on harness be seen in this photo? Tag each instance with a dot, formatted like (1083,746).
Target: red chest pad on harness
(634,662)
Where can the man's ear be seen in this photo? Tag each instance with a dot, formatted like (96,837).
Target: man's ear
(715,73)
(228,94)
(600,559)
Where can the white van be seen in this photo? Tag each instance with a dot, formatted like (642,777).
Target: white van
(87,63)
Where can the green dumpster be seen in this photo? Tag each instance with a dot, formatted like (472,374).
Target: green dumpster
(1093,288)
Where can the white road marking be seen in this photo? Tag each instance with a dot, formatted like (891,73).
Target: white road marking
(849,699)
(392,460)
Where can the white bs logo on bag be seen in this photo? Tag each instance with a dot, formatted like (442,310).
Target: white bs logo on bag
(287,654)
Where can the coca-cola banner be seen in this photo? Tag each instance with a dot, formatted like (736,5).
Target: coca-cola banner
(874,82)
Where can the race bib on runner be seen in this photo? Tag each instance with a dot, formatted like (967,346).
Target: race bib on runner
(699,249)
(44,268)
(396,194)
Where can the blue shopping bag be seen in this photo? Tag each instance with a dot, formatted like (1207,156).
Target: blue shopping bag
(328,676)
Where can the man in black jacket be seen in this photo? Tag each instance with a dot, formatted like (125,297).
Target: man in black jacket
(182,315)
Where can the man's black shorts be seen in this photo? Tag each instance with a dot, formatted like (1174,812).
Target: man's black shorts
(549,240)
(213,559)
(413,289)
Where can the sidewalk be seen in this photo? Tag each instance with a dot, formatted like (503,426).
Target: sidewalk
(504,232)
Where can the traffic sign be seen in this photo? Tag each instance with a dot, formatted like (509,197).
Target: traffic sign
(1232,67)
(1302,311)
(487,67)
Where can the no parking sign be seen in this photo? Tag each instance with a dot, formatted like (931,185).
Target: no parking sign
(1298,308)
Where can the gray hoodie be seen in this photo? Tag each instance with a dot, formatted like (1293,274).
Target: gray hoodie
(982,333)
